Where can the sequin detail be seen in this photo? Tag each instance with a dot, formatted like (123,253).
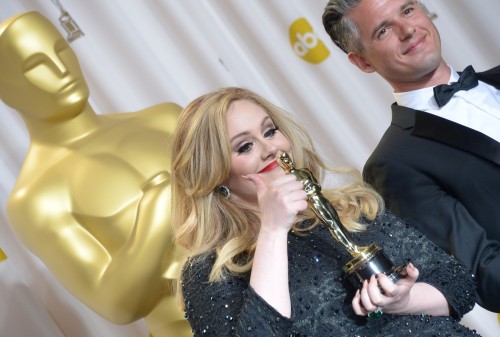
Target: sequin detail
(321,301)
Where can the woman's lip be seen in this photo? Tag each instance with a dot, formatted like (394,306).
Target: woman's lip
(269,167)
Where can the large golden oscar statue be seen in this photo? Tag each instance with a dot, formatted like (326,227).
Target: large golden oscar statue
(92,200)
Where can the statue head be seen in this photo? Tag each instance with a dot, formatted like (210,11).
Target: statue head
(40,75)
(285,162)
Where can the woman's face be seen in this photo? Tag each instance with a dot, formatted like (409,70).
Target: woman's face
(254,141)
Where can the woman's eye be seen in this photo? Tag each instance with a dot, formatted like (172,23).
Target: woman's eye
(244,148)
(270,132)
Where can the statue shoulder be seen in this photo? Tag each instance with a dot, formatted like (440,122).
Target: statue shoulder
(159,116)
(163,110)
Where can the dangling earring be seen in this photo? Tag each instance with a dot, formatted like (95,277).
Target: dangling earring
(224,191)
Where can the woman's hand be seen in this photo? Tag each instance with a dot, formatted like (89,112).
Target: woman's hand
(279,200)
(395,297)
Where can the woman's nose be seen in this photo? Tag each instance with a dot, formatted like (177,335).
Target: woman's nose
(269,149)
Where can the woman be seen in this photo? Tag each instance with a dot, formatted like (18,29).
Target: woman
(260,265)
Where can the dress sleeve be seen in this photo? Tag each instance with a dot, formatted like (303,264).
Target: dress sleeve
(403,243)
(229,307)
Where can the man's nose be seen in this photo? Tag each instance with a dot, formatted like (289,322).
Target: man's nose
(406,29)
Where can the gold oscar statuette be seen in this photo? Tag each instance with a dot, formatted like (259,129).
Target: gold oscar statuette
(366,261)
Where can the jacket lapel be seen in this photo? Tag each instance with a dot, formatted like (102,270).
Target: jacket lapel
(444,131)
(447,132)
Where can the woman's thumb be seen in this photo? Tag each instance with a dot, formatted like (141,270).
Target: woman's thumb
(258,182)
(412,272)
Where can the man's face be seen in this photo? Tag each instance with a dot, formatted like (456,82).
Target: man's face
(41,76)
(400,42)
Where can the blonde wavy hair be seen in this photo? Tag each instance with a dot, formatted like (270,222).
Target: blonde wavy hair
(203,220)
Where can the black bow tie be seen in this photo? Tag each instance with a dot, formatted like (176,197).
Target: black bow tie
(444,92)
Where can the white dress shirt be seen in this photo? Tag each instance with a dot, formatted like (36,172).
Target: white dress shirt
(477,108)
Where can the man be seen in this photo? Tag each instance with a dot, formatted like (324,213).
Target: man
(92,200)
(438,163)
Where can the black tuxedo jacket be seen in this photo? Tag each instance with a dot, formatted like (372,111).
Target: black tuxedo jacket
(444,178)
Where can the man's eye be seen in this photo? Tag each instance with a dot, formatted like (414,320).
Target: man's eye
(382,32)
(408,11)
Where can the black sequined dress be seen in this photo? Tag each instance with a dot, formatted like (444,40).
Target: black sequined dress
(321,300)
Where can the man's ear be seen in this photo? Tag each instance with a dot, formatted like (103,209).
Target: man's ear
(360,62)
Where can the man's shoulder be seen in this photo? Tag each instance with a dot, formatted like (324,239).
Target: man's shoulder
(491,76)
(403,117)
(492,71)
(398,131)
(397,144)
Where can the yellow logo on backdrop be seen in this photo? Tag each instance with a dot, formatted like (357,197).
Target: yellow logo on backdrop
(305,42)
(2,255)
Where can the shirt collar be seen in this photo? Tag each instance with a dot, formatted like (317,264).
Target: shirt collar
(422,99)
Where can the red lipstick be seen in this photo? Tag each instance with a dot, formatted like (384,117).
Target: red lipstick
(269,167)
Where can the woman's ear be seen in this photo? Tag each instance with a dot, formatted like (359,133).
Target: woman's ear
(360,62)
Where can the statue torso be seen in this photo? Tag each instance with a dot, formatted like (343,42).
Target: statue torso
(97,179)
